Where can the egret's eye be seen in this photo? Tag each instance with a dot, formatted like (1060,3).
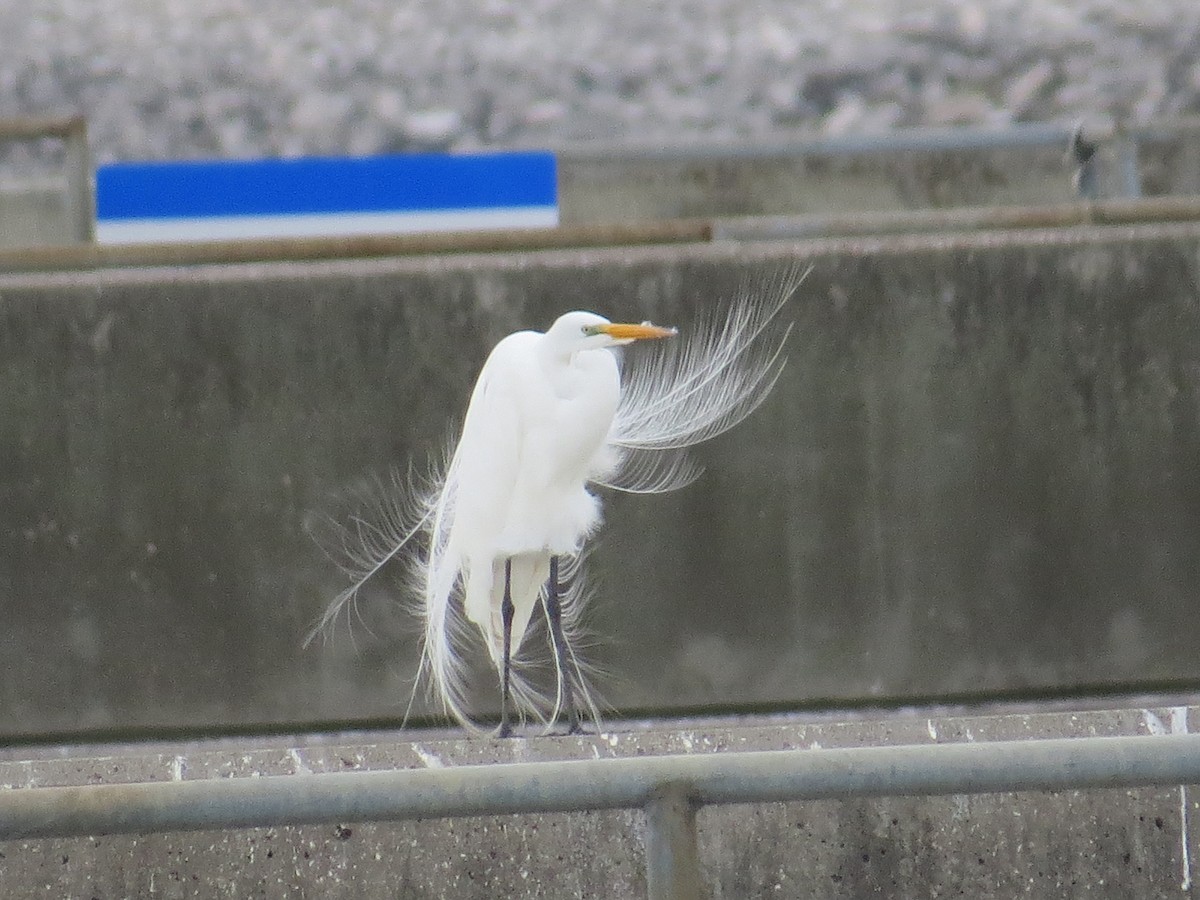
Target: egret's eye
(590,330)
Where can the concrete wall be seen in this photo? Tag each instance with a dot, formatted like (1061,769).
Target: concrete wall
(1099,843)
(36,214)
(596,186)
(977,474)
(608,188)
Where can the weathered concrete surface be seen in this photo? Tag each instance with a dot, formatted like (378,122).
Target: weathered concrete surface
(977,474)
(609,188)
(35,215)
(1110,843)
(606,185)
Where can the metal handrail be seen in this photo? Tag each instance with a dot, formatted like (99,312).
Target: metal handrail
(27,128)
(670,788)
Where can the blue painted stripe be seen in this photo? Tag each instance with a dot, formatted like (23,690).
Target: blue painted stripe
(184,190)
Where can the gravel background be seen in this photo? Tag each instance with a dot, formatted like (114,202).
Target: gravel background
(178,78)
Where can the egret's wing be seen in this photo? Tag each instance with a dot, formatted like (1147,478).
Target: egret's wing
(695,389)
(472,502)
(437,574)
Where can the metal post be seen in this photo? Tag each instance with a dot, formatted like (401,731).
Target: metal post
(1129,175)
(672,848)
(1083,153)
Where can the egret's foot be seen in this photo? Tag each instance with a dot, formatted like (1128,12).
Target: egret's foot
(504,731)
(575,726)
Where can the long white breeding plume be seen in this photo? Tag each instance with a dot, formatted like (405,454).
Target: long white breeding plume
(502,522)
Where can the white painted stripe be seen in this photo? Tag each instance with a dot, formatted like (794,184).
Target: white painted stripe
(220,228)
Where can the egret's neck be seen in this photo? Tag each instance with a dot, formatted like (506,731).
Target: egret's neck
(553,353)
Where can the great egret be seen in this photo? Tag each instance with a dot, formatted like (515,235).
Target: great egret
(505,521)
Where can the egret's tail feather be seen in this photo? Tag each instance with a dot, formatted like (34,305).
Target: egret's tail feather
(391,514)
(447,632)
(538,683)
(641,471)
(451,638)
(448,635)
(387,513)
(535,693)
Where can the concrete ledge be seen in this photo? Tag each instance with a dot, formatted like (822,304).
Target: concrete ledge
(834,224)
(1106,842)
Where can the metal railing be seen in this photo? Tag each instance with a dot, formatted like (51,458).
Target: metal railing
(669,789)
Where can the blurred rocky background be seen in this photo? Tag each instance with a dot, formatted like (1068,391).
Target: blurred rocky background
(241,78)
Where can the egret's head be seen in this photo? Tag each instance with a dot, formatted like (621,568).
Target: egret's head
(588,331)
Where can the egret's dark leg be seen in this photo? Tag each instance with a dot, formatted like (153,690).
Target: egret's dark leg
(554,613)
(506,615)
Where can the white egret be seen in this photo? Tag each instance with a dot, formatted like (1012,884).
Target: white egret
(552,416)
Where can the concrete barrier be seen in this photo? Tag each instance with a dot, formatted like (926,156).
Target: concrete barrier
(809,180)
(977,475)
(47,200)
(35,214)
(911,169)
(1112,842)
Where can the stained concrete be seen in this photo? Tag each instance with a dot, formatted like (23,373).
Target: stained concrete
(977,474)
(610,188)
(1106,843)
(36,215)
(599,184)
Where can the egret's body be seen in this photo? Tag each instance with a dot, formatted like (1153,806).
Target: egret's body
(534,432)
(533,436)
(550,418)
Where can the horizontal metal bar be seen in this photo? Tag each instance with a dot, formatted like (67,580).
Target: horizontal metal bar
(567,786)
(21,128)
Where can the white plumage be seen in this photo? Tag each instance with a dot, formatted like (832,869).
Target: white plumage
(550,417)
